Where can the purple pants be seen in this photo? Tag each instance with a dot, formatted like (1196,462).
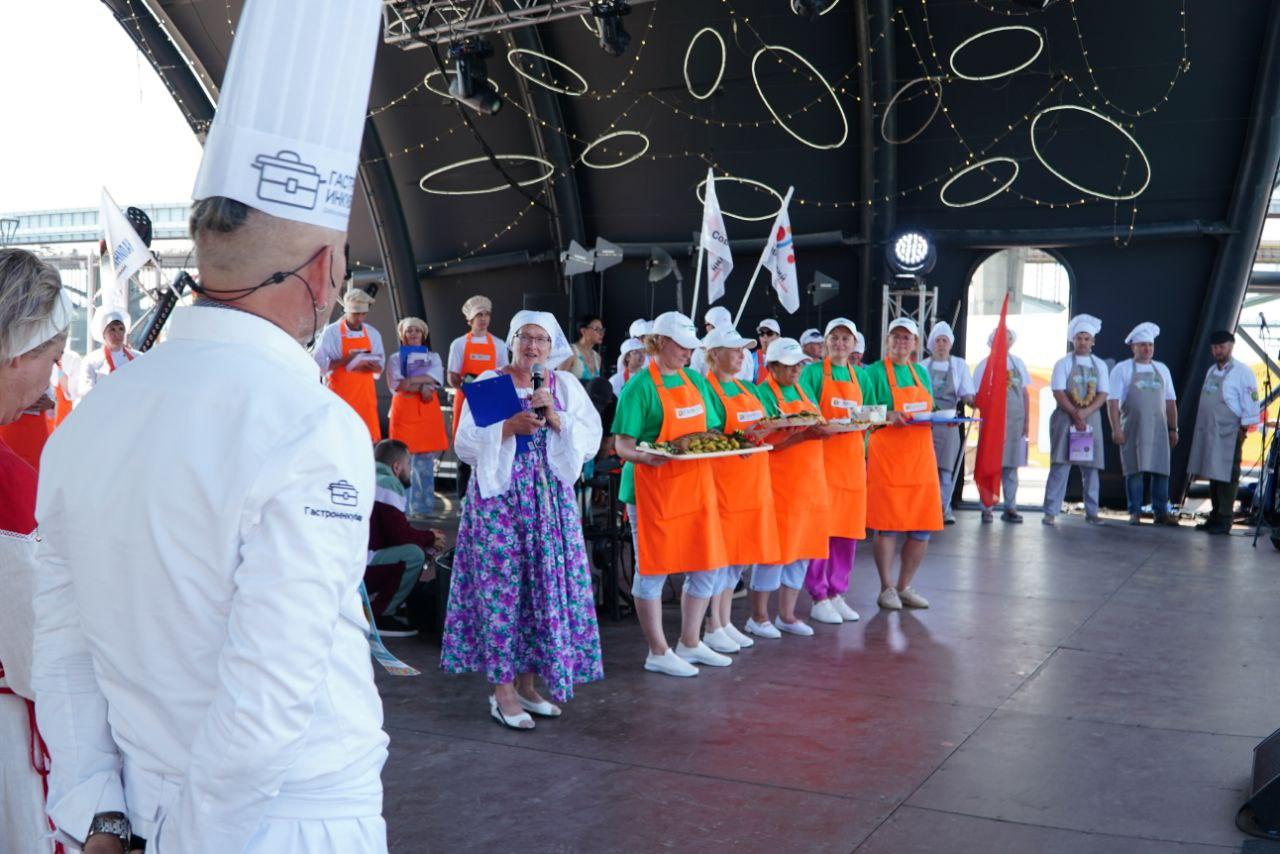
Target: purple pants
(830,577)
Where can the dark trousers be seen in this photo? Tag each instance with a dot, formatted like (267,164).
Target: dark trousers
(1222,494)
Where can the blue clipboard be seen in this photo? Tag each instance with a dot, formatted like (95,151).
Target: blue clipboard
(495,400)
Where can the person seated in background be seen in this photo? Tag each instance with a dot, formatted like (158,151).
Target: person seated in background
(585,363)
(109,328)
(859,348)
(814,346)
(350,356)
(416,377)
(630,362)
(392,540)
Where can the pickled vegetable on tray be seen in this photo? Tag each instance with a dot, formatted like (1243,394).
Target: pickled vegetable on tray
(709,442)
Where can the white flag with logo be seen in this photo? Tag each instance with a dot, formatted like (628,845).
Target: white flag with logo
(125,249)
(715,242)
(779,259)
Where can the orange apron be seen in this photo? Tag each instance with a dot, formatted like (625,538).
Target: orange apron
(26,436)
(802,506)
(356,387)
(744,490)
(419,425)
(62,403)
(678,527)
(901,468)
(476,359)
(111,363)
(845,456)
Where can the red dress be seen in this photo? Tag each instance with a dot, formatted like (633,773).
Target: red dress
(17,493)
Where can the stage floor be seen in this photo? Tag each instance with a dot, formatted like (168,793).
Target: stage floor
(1072,689)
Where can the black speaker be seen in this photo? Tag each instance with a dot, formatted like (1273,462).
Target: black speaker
(1260,815)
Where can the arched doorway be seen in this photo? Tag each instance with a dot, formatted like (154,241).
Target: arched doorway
(1039,287)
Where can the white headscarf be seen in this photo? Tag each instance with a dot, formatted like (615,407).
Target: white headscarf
(1083,323)
(940,329)
(1144,333)
(103,317)
(59,319)
(545,320)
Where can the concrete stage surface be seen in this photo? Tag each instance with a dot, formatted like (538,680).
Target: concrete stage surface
(1072,689)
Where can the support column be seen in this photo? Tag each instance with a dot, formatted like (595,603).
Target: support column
(394,243)
(885,168)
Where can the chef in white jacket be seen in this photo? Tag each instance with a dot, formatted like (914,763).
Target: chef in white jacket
(1229,409)
(203,645)
(952,385)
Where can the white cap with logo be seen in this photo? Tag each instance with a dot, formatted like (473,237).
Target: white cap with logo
(811,336)
(842,323)
(907,324)
(678,327)
(291,110)
(727,336)
(787,351)
(770,324)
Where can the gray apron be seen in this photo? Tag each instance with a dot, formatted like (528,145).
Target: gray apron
(1145,425)
(1015,420)
(1213,448)
(1060,424)
(946,438)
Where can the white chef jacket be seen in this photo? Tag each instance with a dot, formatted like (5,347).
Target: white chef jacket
(961,379)
(492,457)
(1014,363)
(1063,367)
(329,348)
(1122,375)
(94,368)
(1239,390)
(459,344)
(68,375)
(208,632)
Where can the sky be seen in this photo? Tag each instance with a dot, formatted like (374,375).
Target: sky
(83,109)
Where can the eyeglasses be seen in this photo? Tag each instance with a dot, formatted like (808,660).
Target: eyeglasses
(766,333)
(533,339)
(596,328)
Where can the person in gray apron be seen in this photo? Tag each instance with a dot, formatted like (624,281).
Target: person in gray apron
(1143,410)
(1079,386)
(952,386)
(1016,432)
(1228,408)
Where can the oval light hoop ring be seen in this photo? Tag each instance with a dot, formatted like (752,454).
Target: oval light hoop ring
(1108,196)
(697,191)
(942,193)
(526,158)
(559,90)
(834,3)
(688,84)
(973,38)
(937,105)
(445,92)
(844,120)
(582,158)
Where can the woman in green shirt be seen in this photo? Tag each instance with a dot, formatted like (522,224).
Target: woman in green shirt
(672,505)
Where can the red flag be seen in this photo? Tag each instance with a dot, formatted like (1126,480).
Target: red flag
(992,398)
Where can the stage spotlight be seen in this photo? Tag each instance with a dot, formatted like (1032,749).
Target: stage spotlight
(912,254)
(614,38)
(469,83)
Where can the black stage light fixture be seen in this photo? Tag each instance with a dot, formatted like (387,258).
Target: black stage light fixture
(469,77)
(911,253)
(614,38)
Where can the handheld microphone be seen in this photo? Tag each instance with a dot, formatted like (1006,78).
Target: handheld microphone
(539,373)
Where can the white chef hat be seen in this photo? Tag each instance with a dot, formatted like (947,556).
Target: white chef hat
(1083,323)
(941,329)
(1010,334)
(810,336)
(718,316)
(357,301)
(639,328)
(1144,333)
(103,317)
(546,321)
(286,137)
(474,305)
(859,343)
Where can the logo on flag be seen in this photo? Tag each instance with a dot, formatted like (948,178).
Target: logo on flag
(715,242)
(779,258)
(127,251)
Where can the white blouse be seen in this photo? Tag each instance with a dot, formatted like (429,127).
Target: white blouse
(491,457)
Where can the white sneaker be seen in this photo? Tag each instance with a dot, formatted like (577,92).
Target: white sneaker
(720,641)
(670,664)
(763,630)
(799,627)
(738,637)
(842,608)
(702,654)
(889,600)
(912,599)
(825,612)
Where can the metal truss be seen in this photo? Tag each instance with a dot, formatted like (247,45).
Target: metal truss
(406,23)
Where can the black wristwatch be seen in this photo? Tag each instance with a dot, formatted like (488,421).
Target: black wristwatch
(113,824)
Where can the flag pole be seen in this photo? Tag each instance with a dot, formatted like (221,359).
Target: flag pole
(746,296)
(768,243)
(697,282)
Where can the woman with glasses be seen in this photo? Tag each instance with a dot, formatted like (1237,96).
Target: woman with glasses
(521,604)
(585,361)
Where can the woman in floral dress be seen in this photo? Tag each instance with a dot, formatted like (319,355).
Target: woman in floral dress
(521,604)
